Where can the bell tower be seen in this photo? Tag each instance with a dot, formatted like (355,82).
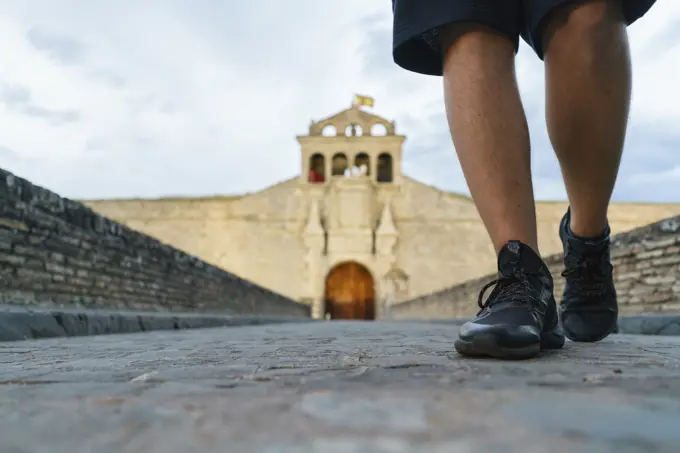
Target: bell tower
(351,139)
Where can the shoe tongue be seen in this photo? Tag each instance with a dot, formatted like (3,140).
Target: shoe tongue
(515,256)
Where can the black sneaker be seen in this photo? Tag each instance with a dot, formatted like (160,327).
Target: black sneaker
(519,318)
(589,310)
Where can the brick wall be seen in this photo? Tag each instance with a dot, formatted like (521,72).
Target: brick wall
(646,271)
(58,252)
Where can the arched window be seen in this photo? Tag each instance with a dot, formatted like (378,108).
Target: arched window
(363,163)
(354,130)
(385,168)
(317,168)
(329,131)
(378,130)
(339,164)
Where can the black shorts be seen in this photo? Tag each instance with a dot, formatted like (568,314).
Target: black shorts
(416,45)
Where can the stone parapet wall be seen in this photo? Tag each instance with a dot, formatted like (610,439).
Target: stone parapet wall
(646,271)
(20,323)
(56,252)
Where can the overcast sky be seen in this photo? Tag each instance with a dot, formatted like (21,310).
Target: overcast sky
(104,99)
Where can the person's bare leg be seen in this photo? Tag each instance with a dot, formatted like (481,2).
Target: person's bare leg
(588,85)
(518,319)
(489,129)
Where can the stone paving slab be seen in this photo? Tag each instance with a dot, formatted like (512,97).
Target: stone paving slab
(385,387)
(650,324)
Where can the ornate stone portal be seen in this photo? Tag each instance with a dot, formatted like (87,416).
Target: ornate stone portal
(354,174)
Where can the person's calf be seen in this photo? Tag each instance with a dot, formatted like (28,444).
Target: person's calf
(588,85)
(489,129)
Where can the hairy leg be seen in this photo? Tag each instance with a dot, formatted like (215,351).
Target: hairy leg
(588,83)
(489,129)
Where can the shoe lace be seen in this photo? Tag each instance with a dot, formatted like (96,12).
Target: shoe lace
(588,274)
(513,287)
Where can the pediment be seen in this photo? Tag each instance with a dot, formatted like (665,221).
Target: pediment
(352,116)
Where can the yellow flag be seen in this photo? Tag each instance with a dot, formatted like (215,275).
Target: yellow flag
(363,100)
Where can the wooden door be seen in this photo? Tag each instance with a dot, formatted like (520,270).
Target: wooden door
(350,293)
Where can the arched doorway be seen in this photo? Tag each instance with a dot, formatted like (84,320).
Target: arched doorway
(350,292)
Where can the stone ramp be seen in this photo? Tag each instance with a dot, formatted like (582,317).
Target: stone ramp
(385,387)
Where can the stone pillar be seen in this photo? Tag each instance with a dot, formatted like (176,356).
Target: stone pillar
(318,308)
(374,168)
(328,162)
(314,238)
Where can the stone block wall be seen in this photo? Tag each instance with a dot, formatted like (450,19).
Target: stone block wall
(646,271)
(56,252)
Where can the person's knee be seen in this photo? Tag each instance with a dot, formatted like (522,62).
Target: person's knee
(474,41)
(576,28)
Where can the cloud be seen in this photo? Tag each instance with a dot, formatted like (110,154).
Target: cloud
(64,49)
(671,175)
(8,154)
(170,97)
(18,99)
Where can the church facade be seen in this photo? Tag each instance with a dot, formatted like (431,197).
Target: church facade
(351,234)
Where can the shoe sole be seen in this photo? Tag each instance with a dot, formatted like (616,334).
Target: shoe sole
(594,338)
(591,338)
(488,346)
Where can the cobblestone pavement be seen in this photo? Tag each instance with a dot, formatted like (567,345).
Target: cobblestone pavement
(387,387)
